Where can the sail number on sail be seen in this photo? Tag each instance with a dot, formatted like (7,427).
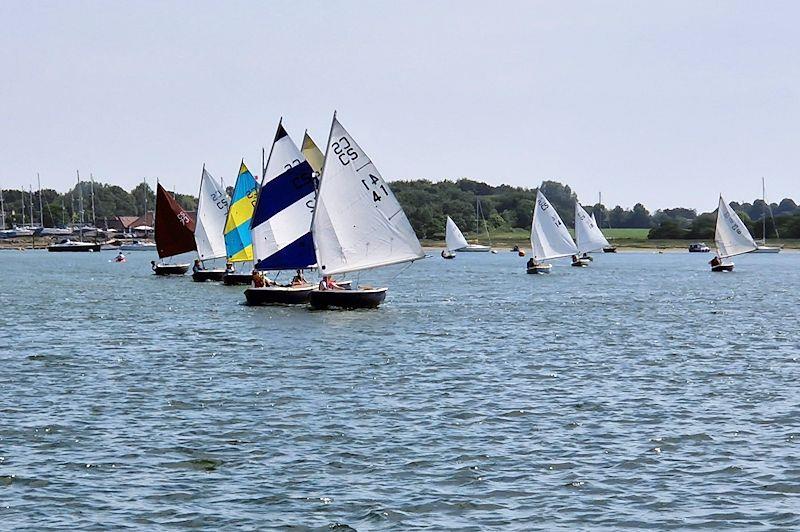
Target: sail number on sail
(544,205)
(220,200)
(375,183)
(345,153)
(734,225)
(183,218)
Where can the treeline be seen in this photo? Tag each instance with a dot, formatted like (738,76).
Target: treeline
(64,209)
(427,204)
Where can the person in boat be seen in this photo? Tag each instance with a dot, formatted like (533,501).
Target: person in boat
(229,267)
(259,281)
(716,261)
(585,256)
(153,265)
(574,258)
(327,283)
(298,279)
(532,263)
(198,266)
(120,257)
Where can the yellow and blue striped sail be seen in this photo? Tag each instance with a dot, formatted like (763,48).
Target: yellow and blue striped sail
(238,244)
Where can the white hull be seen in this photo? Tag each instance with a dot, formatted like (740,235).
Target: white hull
(767,249)
(475,248)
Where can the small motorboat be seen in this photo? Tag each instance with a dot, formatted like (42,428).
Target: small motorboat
(698,247)
(201,276)
(278,295)
(169,269)
(347,299)
(447,254)
(73,246)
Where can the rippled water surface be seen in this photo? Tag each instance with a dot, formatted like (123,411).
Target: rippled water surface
(642,392)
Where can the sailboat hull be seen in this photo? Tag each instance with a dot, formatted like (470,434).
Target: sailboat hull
(474,248)
(278,295)
(767,249)
(540,269)
(201,276)
(347,299)
(610,249)
(722,268)
(74,247)
(446,254)
(170,269)
(233,279)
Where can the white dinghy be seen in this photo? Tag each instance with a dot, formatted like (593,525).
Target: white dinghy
(550,238)
(731,236)
(453,238)
(212,211)
(588,236)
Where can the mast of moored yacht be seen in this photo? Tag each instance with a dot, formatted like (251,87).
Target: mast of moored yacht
(80,203)
(41,210)
(2,211)
(30,197)
(94,220)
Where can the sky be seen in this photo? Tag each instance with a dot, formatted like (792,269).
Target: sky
(668,104)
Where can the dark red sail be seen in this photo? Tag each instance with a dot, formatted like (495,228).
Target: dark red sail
(174,226)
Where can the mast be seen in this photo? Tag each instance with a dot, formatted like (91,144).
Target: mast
(41,210)
(23,207)
(80,203)
(94,221)
(2,211)
(764,213)
(30,197)
(144,180)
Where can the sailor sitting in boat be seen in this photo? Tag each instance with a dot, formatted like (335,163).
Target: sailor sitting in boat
(153,265)
(260,280)
(198,266)
(327,283)
(120,257)
(229,267)
(298,279)
(532,263)
(716,261)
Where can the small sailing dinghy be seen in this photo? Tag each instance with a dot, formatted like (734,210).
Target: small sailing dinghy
(550,238)
(212,212)
(281,226)
(731,236)
(358,223)
(588,236)
(238,243)
(453,238)
(174,233)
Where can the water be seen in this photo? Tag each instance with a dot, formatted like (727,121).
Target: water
(642,392)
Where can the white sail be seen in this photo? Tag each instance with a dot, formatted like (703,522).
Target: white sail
(731,236)
(358,223)
(281,224)
(550,238)
(588,236)
(212,210)
(453,237)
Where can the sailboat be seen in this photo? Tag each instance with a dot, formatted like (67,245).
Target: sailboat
(358,223)
(476,247)
(762,246)
(212,211)
(453,238)
(174,233)
(731,236)
(588,236)
(312,153)
(68,245)
(281,226)
(238,243)
(550,238)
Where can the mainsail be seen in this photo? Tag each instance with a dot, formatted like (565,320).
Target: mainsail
(174,226)
(588,235)
(238,244)
(212,209)
(358,223)
(550,238)
(453,237)
(312,153)
(731,236)
(281,227)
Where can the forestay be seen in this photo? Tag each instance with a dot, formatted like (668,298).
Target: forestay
(212,210)
(312,153)
(731,236)
(453,237)
(550,238)
(358,223)
(281,227)
(588,235)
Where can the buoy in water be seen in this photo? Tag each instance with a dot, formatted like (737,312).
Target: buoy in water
(521,253)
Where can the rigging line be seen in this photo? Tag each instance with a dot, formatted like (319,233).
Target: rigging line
(407,266)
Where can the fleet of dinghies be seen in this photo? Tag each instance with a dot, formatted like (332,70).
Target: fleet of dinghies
(335,213)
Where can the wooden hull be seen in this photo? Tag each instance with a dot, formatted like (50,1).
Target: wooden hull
(347,299)
(722,268)
(171,269)
(278,295)
(201,276)
(232,279)
(86,247)
(540,269)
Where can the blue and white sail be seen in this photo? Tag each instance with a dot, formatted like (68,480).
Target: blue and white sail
(281,226)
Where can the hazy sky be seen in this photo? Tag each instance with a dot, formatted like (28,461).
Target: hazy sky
(668,104)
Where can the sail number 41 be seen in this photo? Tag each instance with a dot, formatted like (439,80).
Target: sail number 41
(375,185)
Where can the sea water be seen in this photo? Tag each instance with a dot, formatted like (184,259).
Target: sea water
(640,392)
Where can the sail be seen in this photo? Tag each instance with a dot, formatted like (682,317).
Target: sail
(212,210)
(732,236)
(238,244)
(358,222)
(453,237)
(281,227)
(588,235)
(312,153)
(174,226)
(550,238)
